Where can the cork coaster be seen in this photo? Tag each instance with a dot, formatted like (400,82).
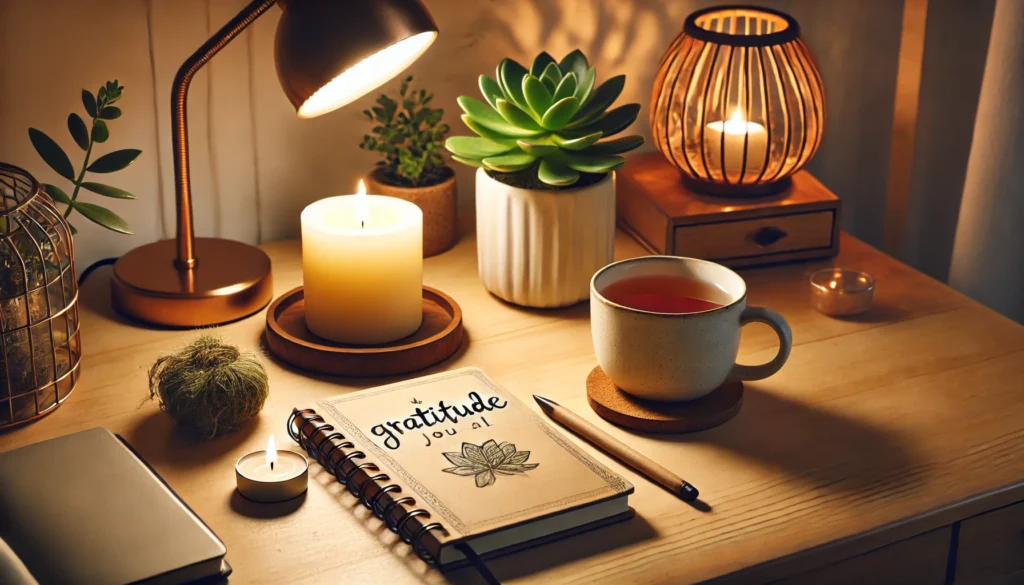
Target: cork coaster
(651,416)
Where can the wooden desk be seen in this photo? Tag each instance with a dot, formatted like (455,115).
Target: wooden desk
(883,437)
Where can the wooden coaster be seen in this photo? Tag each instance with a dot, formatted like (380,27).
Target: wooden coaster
(437,339)
(651,416)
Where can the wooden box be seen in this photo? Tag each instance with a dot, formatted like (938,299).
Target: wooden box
(659,211)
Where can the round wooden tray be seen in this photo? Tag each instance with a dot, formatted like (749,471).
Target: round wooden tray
(652,416)
(437,339)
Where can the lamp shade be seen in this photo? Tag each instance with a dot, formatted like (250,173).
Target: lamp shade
(331,52)
(738,104)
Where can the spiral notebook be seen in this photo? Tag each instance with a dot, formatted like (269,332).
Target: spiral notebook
(452,461)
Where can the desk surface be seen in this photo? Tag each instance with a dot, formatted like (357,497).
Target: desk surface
(906,419)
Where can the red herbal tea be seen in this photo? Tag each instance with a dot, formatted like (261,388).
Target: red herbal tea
(663,294)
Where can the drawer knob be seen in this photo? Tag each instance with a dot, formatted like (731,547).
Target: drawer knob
(767,236)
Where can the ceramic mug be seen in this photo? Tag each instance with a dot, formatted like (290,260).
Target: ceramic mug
(678,356)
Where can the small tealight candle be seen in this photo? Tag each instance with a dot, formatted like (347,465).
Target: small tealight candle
(841,293)
(735,137)
(272,475)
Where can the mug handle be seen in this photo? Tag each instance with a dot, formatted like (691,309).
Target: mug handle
(776,322)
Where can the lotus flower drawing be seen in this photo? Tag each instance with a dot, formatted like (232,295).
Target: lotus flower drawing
(487,461)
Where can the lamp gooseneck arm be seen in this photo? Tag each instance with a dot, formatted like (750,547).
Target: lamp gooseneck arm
(179,122)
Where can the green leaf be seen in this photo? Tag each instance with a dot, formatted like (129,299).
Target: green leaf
(537,149)
(541,63)
(89,102)
(556,173)
(551,76)
(74,231)
(538,97)
(584,84)
(613,122)
(510,77)
(577,143)
(76,126)
(615,145)
(107,191)
(482,130)
(467,161)
(518,117)
(52,153)
(594,163)
(508,163)
(100,132)
(476,147)
(56,194)
(490,89)
(103,217)
(110,113)
(566,88)
(114,161)
(575,62)
(603,97)
(560,113)
(485,116)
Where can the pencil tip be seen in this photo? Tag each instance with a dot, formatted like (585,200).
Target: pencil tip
(545,404)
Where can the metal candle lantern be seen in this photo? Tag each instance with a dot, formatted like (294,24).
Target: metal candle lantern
(738,104)
(40,348)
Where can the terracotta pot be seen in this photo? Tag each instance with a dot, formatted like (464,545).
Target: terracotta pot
(540,248)
(438,202)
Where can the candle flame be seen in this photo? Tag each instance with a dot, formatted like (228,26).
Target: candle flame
(832,285)
(362,204)
(737,117)
(271,452)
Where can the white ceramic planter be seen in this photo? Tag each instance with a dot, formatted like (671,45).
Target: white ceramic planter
(540,248)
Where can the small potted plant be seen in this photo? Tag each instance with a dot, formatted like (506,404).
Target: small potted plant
(545,187)
(409,135)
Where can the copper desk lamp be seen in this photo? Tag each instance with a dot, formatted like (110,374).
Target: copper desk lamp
(328,53)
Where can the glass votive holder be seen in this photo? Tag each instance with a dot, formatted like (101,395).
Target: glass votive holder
(841,293)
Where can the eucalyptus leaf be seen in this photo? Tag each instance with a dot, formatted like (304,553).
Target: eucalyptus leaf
(78,130)
(100,132)
(110,113)
(560,113)
(52,153)
(114,161)
(89,102)
(107,190)
(556,173)
(102,216)
(56,194)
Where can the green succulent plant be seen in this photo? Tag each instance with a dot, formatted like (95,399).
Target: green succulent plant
(549,121)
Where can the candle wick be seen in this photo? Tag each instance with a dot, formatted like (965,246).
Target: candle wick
(271,466)
(362,223)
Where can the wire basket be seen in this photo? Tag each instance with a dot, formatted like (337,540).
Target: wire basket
(40,347)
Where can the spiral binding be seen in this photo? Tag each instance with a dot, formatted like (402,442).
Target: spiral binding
(333,442)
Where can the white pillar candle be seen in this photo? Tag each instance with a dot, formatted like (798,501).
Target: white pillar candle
(362,268)
(739,134)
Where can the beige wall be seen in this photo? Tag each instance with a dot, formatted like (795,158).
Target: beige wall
(255,165)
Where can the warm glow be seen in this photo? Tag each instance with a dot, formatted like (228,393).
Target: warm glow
(362,204)
(737,125)
(366,75)
(832,285)
(271,452)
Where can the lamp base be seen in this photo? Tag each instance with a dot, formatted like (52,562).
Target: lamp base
(231,280)
(733,190)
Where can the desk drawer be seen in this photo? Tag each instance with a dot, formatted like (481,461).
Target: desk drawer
(757,238)
(992,547)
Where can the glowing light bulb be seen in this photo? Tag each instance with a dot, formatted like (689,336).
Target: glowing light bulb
(271,452)
(362,204)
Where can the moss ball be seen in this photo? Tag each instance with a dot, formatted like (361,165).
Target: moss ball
(209,387)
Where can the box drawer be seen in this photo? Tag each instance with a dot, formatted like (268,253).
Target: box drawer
(991,547)
(764,236)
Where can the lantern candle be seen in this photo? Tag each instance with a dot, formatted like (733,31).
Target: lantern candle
(739,135)
(362,268)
